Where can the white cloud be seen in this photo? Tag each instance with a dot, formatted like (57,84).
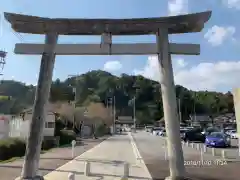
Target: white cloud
(151,69)
(204,76)
(210,76)
(181,62)
(232,3)
(112,66)
(216,35)
(176,7)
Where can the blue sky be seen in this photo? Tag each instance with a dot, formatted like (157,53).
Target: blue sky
(215,69)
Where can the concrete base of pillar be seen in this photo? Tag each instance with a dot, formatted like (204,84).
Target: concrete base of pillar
(176,178)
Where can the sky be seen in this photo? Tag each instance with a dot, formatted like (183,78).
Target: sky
(217,68)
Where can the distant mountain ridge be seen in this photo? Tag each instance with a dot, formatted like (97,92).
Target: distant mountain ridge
(98,86)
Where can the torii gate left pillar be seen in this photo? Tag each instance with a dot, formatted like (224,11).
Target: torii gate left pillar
(33,149)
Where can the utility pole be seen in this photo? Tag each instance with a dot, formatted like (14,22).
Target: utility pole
(109,106)
(194,108)
(134,106)
(74,105)
(134,112)
(74,90)
(179,109)
(114,114)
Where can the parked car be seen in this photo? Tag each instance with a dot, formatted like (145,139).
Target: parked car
(162,132)
(182,132)
(229,131)
(218,139)
(156,131)
(194,135)
(210,130)
(148,128)
(233,134)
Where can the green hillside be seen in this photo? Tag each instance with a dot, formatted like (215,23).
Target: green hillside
(96,86)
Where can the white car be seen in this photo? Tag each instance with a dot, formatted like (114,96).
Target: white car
(162,133)
(148,128)
(156,131)
(233,134)
(228,132)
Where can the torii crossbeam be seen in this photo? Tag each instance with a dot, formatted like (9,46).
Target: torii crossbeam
(161,27)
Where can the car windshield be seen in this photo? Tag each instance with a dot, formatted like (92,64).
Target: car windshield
(212,129)
(216,135)
(157,129)
(233,131)
(183,130)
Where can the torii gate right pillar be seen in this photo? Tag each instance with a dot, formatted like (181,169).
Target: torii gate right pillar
(175,152)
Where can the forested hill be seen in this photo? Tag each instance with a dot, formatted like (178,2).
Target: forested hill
(96,86)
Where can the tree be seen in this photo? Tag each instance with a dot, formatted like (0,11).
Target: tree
(96,86)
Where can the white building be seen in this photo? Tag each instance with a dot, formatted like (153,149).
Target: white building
(4,126)
(17,126)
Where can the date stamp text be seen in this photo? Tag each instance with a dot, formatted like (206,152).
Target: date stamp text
(217,162)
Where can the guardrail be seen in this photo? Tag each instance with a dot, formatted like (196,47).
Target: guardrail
(203,149)
(87,166)
(87,171)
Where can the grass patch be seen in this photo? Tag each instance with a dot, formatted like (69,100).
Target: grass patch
(17,158)
(4,98)
(10,160)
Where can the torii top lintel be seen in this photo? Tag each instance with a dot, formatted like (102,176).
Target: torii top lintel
(138,26)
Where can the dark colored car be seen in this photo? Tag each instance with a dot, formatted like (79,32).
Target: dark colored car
(183,132)
(194,135)
(210,130)
(218,139)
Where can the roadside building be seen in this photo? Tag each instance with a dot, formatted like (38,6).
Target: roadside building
(201,120)
(19,126)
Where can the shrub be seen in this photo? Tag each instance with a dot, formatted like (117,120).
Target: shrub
(48,144)
(101,130)
(59,125)
(12,147)
(66,137)
(15,147)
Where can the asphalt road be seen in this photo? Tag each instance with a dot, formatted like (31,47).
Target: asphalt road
(153,154)
(231,152)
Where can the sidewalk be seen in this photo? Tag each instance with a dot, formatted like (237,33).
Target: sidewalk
(48,161)
(106,162)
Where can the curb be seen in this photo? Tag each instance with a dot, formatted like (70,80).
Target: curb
(137,154)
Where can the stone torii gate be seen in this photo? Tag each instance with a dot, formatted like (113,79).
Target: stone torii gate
(160,27)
